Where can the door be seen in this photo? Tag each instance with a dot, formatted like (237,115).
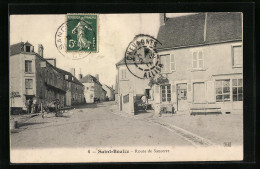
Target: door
(199,92)
(182,103)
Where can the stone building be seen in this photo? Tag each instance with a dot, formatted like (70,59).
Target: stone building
(34,77)
(110,92)
(202,58)
(93,89)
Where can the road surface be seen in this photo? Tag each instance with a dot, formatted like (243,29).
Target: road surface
(94,125)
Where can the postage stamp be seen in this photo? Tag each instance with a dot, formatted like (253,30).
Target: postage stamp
(141,52)
(78,36)
(82,32)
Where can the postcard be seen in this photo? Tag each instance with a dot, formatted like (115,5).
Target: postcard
(128,87)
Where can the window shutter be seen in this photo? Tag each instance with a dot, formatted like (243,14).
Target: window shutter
(194,60)
(210,92)
(157,94)
(167,63)
(173,93)
(172,62)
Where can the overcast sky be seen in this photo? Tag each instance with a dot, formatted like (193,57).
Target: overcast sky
(116,31)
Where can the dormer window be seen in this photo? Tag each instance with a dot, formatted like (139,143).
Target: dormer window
(27,48)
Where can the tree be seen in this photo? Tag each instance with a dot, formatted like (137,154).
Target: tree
(158,80)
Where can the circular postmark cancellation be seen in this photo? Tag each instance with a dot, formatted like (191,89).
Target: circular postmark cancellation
(77,38)
(141,57)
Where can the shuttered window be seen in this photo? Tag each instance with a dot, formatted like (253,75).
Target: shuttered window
(28,66)
(197,60)
(237,56)
(168,63)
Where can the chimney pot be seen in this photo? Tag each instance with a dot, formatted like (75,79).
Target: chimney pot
(72,71)
(162,18)
(40,50)
(97,77)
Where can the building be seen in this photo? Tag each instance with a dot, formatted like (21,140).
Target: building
(202,58)
(110,92)
(74,89)
(93,89)
(128,86)
(34,77)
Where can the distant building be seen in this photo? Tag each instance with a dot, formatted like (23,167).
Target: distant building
(110,92)
(34,77)
(93,88)
(74,89)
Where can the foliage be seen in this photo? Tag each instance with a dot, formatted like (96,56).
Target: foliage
(158,80)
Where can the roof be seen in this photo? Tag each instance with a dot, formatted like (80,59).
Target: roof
(70,76)
(129,62)
(89,79)
(110,88)
(189,30)
(18,48)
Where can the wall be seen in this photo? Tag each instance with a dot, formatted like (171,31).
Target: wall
(89,92)
(217,65)
(99,93)
(110,94)
(128,83)
(17,78)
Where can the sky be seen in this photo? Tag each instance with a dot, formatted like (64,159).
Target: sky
(116,31)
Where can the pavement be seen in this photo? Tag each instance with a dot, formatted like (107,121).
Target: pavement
(102,124)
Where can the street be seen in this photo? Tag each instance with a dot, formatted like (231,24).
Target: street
(102,125)
(91,125)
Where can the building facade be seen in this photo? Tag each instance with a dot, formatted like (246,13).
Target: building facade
(33,77)
(110,92)
(93,89)
(202,58)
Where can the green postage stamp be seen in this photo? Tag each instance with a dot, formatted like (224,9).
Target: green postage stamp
(82,33)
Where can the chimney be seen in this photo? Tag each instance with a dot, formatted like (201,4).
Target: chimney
(97,77)
(72,71)
(80,76)
(162,18)
(40,50)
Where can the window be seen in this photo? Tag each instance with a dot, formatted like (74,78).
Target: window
(237,89)
(27,48)
(222,90)
(28,83)
(166,93)
(123,74)
(237,56)
(28,66)
(197,60)
(165,61)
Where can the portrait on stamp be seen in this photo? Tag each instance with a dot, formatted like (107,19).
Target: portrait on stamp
(129,87)
(81,33)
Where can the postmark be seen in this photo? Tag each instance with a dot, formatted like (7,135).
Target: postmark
(141,57)
(78,36)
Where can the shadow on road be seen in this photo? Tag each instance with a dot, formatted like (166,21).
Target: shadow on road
(32,123)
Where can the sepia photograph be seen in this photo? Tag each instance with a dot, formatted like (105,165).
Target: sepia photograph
(126,87)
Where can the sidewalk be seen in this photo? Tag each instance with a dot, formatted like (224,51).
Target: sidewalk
(220,129)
